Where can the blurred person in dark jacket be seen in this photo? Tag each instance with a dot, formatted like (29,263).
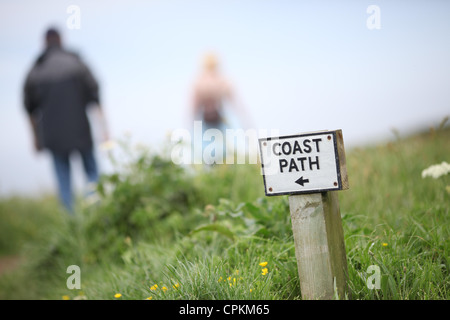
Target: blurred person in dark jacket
(57,92)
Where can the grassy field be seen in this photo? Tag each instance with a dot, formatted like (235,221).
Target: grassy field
(161,231)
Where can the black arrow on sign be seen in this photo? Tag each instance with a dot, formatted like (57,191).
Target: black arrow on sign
(302,181)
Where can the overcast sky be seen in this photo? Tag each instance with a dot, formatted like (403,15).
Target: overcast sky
(298,66)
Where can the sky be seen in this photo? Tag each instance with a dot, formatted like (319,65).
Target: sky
(297,66)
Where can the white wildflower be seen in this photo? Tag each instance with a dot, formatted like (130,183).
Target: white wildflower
(436,170)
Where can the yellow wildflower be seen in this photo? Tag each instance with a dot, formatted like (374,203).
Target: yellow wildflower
(117,295)
(384,244)
(264,271)
(220,279)
(154,287)
(164,289)
(65,297)
(176,285)
(263,264)
(149,298)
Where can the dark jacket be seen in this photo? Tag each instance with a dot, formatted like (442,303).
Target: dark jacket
(57,91)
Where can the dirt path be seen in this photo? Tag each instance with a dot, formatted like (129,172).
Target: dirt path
(8,263)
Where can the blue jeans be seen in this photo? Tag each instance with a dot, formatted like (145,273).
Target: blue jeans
(61,162)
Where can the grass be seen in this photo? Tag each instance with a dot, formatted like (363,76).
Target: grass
(202,234)
(391,204)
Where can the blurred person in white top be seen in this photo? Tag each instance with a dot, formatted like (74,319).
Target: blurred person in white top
(212,92)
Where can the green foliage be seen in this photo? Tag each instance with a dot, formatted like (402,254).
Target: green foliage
(152,190)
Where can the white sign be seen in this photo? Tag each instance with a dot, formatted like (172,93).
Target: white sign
(305,163)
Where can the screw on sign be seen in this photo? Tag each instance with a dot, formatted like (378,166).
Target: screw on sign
(310,168)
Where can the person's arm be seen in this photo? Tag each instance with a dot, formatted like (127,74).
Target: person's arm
(34,128)
(194,110)
(194,100)
(101,120)
(237,104)
(91,86)
(30,108)
(93,98)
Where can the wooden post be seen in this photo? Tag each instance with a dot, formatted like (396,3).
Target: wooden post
(310,168)
(319,245)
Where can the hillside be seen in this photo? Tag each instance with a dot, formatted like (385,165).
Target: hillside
(160,231)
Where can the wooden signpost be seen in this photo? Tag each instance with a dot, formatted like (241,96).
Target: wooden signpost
(310,168)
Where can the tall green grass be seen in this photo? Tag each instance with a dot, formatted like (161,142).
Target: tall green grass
(162,231)
(398,220)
